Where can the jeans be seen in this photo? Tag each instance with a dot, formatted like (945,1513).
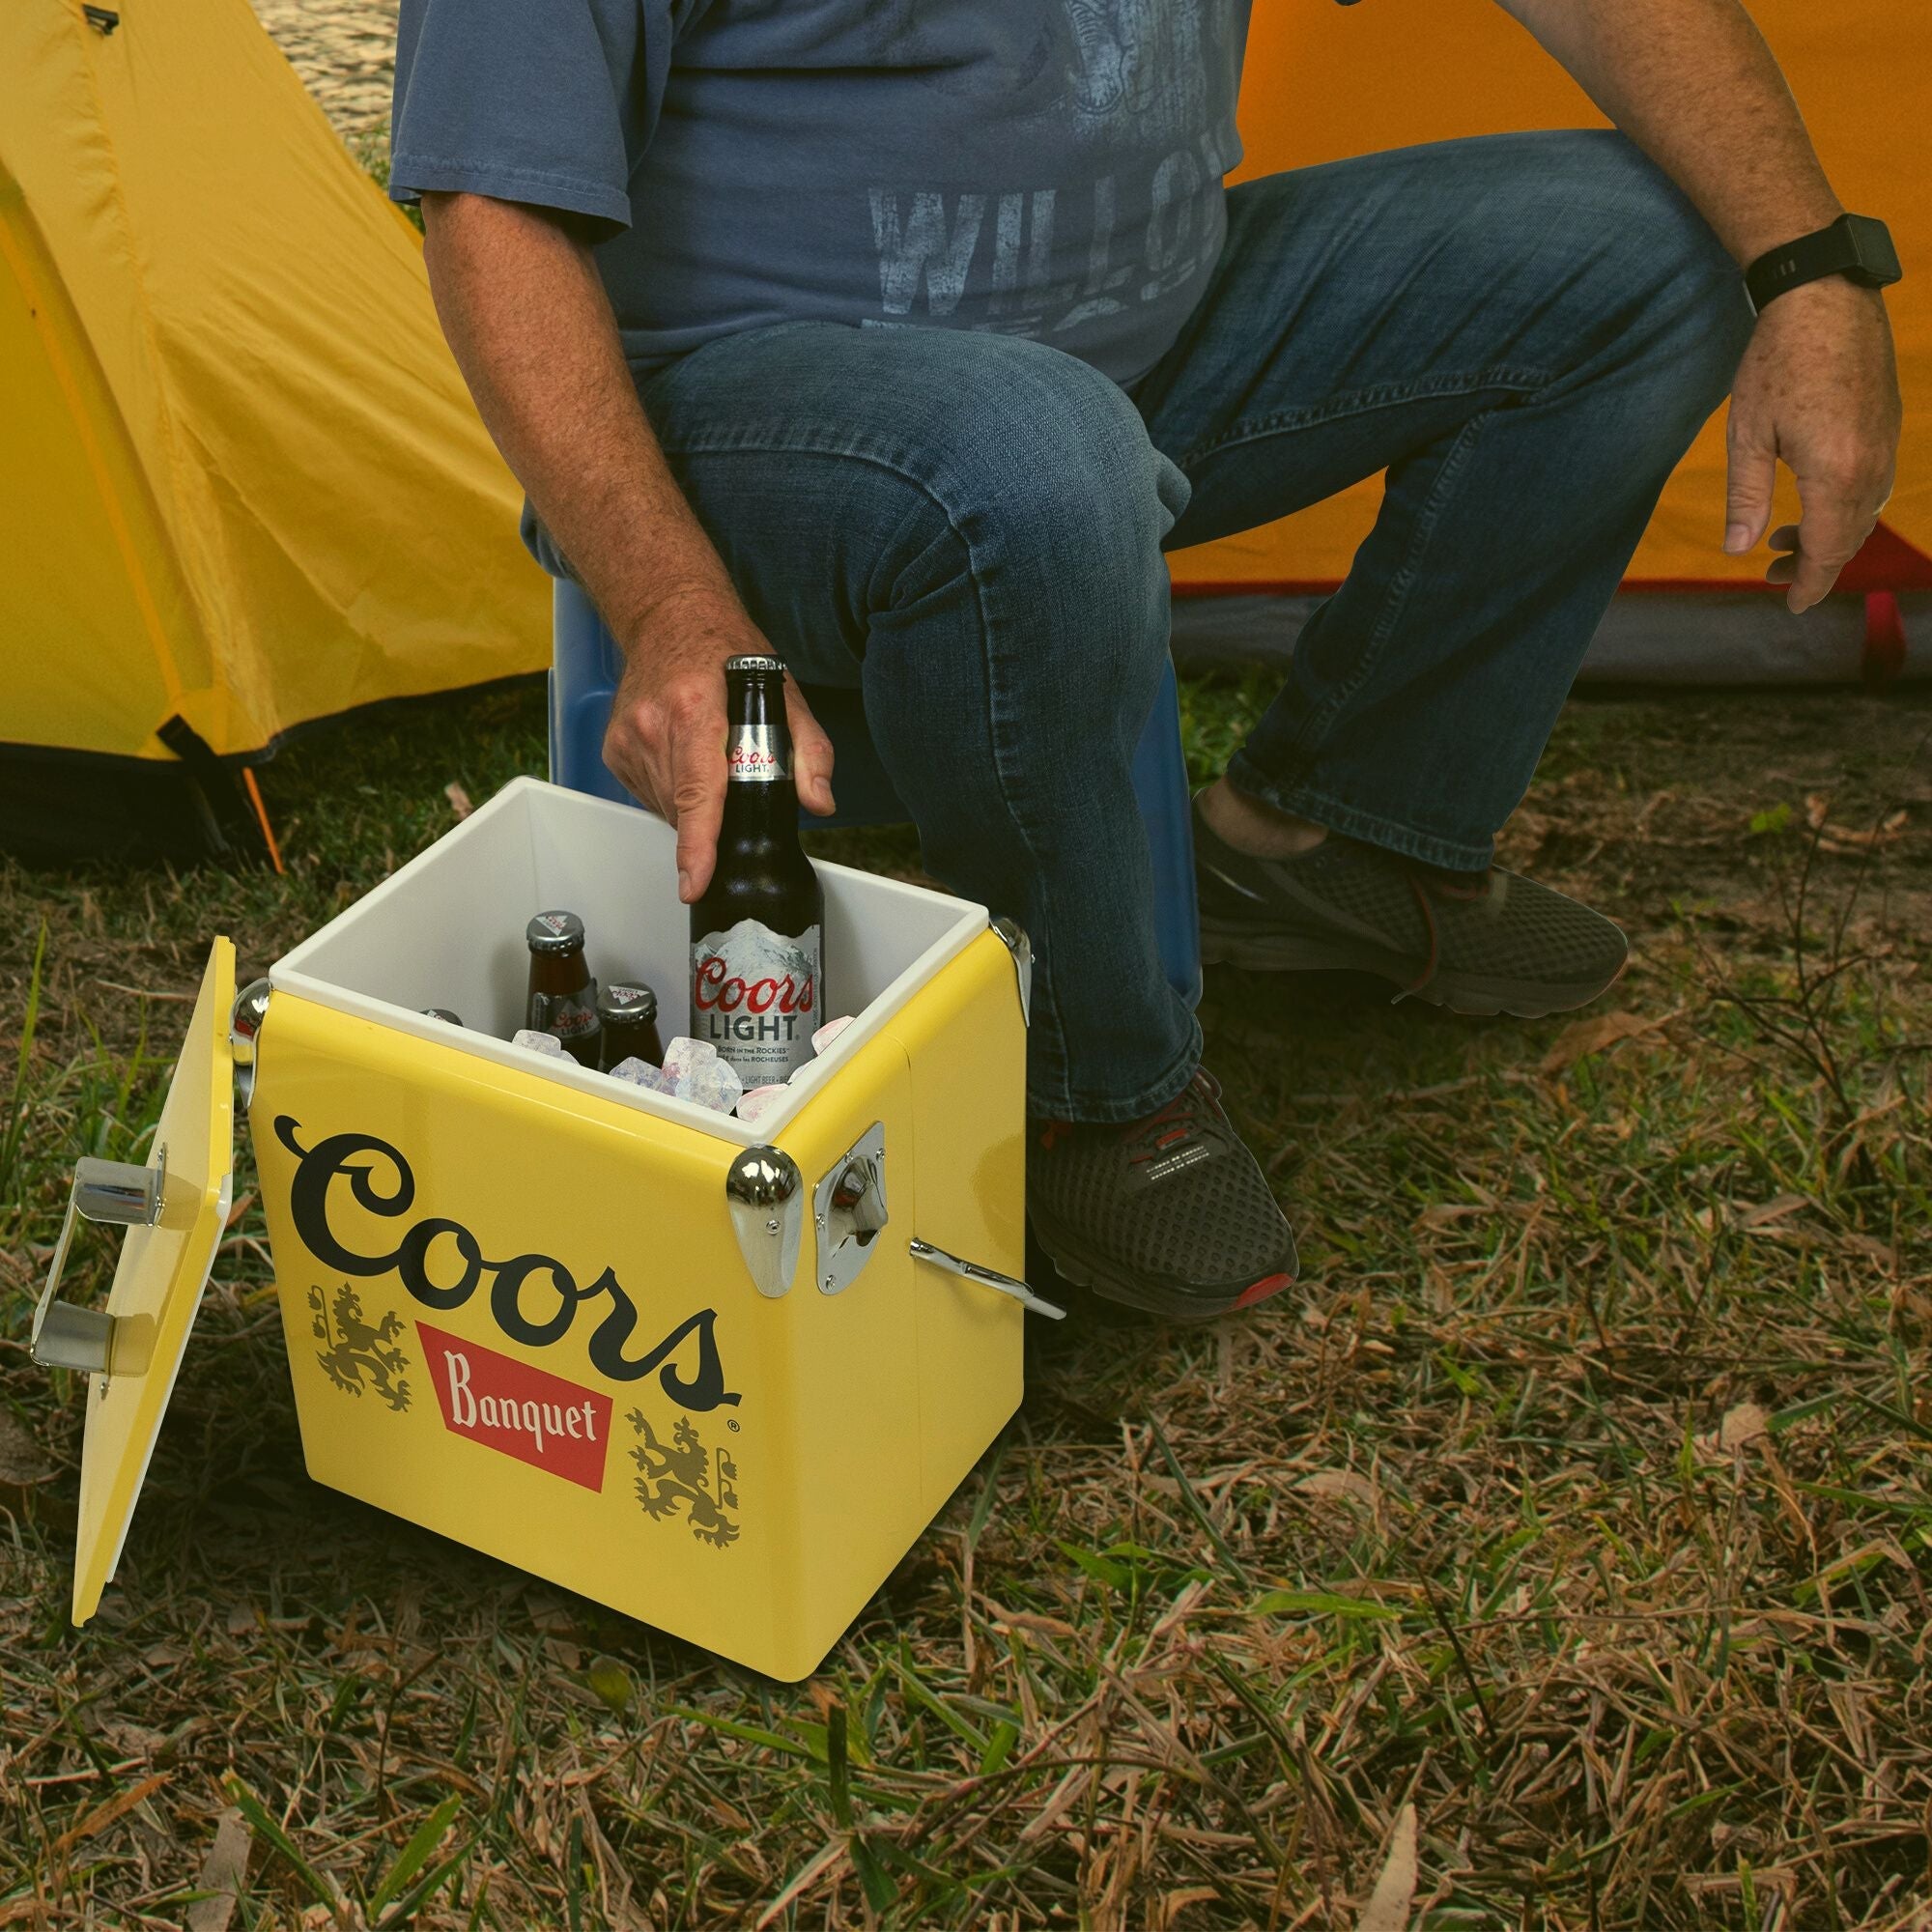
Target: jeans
(1525,332)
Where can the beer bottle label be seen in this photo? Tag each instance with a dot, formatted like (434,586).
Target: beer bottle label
(755,995)
(568,1015)
(753,757)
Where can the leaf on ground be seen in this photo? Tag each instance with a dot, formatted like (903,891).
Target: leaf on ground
(1745,1423)
(459,799)
(1349,1483)
(1388,1906)
(1761,1212)
(1844,838)
(1320,1602)
(221,1874)
(1587,1036)
(610,1683)
(1835,838)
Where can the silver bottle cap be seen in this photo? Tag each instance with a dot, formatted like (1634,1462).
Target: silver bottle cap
(555,932)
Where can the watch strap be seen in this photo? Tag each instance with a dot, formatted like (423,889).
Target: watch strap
(1856,246)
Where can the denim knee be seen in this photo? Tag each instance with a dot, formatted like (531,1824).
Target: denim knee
(1682,294)
(1042,483)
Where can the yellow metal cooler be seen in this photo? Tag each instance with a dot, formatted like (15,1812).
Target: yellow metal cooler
(719,1378)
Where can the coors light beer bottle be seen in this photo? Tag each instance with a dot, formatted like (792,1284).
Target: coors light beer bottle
(757,978)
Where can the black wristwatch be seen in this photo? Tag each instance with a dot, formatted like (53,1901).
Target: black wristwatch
(1856,246)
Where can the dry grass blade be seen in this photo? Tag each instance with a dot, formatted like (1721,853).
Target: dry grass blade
(105,1813)
(1390,1904)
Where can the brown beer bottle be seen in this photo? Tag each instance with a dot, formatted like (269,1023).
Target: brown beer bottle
(757,984)
(629,1012)
(562,996)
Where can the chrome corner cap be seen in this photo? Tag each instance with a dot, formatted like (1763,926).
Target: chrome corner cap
(1013,936)
(764,1193)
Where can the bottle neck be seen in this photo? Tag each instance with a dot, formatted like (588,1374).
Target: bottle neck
(760,794)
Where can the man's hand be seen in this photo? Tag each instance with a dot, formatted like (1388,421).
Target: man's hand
(1818,388)
(667,726)
(1692,83)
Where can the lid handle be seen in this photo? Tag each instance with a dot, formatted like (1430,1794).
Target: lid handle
(120,1192)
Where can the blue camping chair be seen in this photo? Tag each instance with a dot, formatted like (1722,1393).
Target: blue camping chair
(585,666)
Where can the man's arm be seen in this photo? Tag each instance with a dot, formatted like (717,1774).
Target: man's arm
(1692,83)
(526,313)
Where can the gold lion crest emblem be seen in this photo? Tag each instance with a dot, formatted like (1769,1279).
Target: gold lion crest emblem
(355,1356)
(686,1475)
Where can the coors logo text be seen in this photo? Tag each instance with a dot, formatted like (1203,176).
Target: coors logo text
(533,1298)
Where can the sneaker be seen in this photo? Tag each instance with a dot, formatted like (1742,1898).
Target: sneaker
(1474,942)
(1172,1214)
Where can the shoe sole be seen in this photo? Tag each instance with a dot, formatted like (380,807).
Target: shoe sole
(1460,993)
(1079,1264)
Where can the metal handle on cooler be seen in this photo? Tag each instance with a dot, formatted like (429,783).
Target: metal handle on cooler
(118,1192)
(1005,1284)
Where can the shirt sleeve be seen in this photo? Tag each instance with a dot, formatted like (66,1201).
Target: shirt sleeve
(545,102)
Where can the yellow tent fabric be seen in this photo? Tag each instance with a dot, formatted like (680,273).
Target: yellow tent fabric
(1326,81)
(240,480)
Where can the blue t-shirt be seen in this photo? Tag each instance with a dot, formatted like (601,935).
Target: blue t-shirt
(1048,168)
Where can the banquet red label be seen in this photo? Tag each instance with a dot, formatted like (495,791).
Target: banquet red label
(505,1405)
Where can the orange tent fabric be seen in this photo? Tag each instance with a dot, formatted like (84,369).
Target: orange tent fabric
(1325,81)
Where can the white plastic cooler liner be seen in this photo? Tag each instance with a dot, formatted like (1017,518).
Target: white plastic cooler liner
(447,930)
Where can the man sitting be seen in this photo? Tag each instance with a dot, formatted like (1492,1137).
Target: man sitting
(901,337)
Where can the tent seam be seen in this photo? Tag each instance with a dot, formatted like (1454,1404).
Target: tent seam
(169,408)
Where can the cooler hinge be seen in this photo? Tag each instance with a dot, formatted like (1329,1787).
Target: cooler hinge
(245,1026)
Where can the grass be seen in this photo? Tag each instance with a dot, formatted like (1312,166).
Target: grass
(1576,1506)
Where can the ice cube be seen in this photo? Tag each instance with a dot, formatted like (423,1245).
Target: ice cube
(641,1073)
(713,1083)
(756,1102)
(685,1055)
(537,1042)
(830,1032)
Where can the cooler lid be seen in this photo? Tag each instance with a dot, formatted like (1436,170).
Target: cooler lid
(177,1208)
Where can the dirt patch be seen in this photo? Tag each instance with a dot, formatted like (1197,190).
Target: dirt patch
(345,52)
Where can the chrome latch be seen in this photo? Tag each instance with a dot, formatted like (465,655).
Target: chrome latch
(765,1193)
(848,1207)
(1004,1284)
(116,1191)
(1013,935)
(244,1025)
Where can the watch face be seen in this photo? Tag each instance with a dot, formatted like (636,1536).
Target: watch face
(1872,242)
